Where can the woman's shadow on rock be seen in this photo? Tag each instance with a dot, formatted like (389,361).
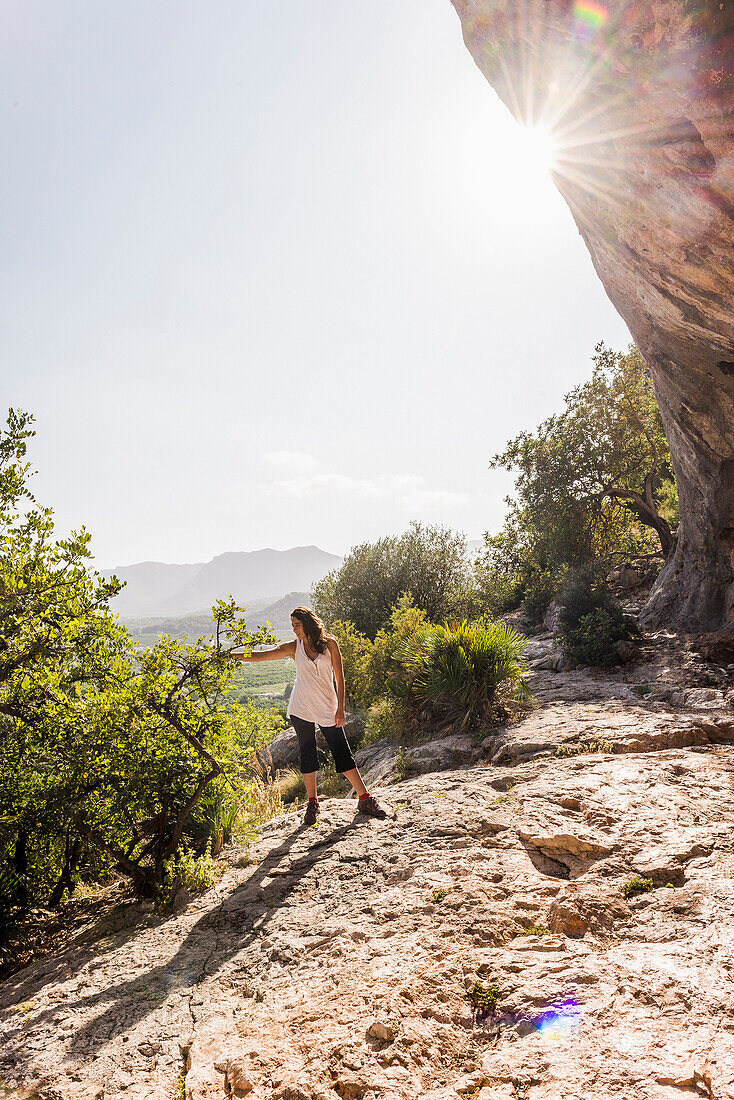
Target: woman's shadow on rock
(249,907)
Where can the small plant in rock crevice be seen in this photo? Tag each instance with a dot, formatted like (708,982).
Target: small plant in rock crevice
(635,886)
(438,895)
(483,997)
(586,748)
(536,930)
(401,765)
(508,796)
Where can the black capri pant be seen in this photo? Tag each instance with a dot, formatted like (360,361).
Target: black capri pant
(336,739)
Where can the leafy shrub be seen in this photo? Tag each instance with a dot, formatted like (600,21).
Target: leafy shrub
(591,625)
(195,873)
(356,651)
(430,562)
(405,621)
(401,767)
(333,784)
(385,718)
(596,480)
(541,587)
(635,886)
(290,785)
(113,755)
(484,997)
(367,663)
(213,821)
(455,671)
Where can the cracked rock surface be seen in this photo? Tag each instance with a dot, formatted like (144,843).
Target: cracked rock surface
(487,940)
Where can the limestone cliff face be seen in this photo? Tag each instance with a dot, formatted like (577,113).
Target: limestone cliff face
(640,99)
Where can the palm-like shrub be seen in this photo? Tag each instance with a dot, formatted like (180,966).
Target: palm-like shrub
(212,822)
(457,671)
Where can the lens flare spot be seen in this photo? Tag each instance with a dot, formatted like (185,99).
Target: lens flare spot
(559,1021)
(591,13)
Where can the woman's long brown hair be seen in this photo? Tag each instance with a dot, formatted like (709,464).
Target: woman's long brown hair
(313,627)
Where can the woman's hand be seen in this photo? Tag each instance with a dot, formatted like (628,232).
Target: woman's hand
(339,716)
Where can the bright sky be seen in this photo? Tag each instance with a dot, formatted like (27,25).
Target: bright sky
(275,274)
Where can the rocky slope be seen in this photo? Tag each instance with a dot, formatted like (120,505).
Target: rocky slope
(639,95)
(477,944)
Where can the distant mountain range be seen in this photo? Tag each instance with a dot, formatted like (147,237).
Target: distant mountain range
(146,629)
(154,589)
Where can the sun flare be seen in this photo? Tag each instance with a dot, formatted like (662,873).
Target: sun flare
(538,149)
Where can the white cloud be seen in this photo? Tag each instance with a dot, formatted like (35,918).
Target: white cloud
(408,491)
(291,462)
(431,500)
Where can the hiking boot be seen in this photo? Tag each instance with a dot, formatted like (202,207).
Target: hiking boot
(370,807)
(312,812)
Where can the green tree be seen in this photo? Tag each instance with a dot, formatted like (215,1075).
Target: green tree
(106,750)
(427,561)
(594,483)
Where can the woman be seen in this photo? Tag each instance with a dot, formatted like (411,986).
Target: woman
(314,700)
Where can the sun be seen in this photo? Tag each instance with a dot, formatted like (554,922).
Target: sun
(537,150)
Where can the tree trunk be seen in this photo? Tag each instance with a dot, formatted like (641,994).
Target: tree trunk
(639,96)
(20,865)
(65,881)
(695,589)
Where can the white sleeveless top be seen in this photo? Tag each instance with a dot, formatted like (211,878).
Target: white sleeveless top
(313,697)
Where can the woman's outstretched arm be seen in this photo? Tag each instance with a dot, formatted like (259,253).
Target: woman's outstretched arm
(285,649)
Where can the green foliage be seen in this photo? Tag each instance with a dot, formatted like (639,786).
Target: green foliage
(668,502)
(401,765)
(356,650)
(385,718)
(593,483)
(367,663)
(591,625)
(586,748)
(213,820)
(454,672)
(439,895)
(405,622)
(429,562)
(541,587)
(107,749)
(332,783)
(195,873)
(499,570)
(484,998)
(635,886)
(536,930)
